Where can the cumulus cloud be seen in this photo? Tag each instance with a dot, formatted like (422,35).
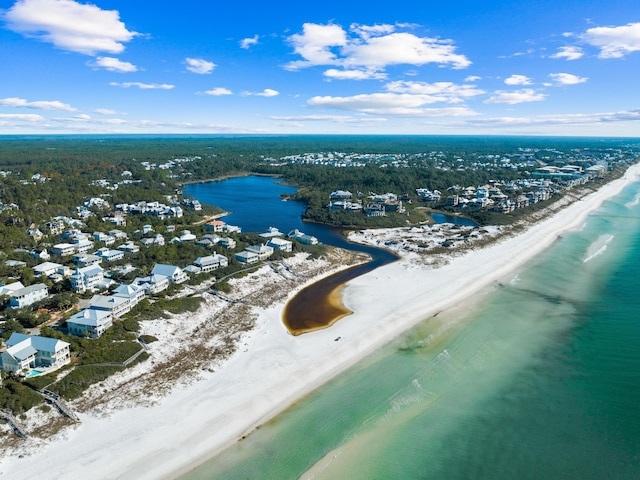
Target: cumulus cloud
(403,48)
(567,78)
(369,49)
(39,105)
(336,74)
(518,80)
(389,104)
(516,96)
(267,92)
(568,53)
(143,86)
(218,91)
(578,119)
(314,44)
(472,78)
(199,65)
(105,111)
(114,65)
(69,25)
(614,42)
(25,117)
(248,42)
(327,118)
(368,31)
(439,91)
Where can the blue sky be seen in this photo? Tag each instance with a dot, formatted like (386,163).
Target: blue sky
(532,67)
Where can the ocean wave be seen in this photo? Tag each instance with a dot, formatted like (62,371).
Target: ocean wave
(598,247)
(634,202)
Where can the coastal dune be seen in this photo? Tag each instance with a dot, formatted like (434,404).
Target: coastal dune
(274,369)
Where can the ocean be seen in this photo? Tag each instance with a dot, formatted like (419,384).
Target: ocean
(540,379)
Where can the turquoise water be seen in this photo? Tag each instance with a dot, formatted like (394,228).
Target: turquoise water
(539,380)
(33,373)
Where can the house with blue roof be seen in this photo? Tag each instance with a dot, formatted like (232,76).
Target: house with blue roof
(90,322)
(26,352)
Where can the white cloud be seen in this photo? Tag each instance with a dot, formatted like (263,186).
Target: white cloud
(327,118)
(369,48)
(267,92)
(199,65)
(614,42)
(368,31)
(440,91)
(389,104)
(518,80)
(218,91)
(69,25)
(472,78)
(353,74)
(26,117)
(315,43)
(569,53)
(517,96)
(248,42)
(39,105)
(114,65)
(105,111)
(558,119)
(143,86)
(567,78)
(402,48)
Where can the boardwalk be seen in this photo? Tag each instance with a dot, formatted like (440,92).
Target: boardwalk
(62,407)
(8,417)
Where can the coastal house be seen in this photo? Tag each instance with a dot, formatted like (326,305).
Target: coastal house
(174,273)
(187,236)
(9,289)
(153,283)
(104,238)
(129,247)
(82,245)
(231,228)
(133,293)
(271,232)
(227,242)
(214,226)
(110,255)
(47,269)
(247,257)
(211,262)
(89,322)
(263,251)
(25,352)
(157,240)
(40,254)
(375,210)
(35,233)
(63,249)
(88,279)
(303,238)
(280,244)
(54,227)
(86,259)
(341,195)
(26,296)
(118,234)
(115,305)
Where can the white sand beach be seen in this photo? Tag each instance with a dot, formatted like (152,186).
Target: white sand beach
(273,369)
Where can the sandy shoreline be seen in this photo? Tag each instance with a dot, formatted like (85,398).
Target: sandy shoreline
(275,369)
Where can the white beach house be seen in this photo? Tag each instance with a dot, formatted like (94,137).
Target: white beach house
(25,352)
